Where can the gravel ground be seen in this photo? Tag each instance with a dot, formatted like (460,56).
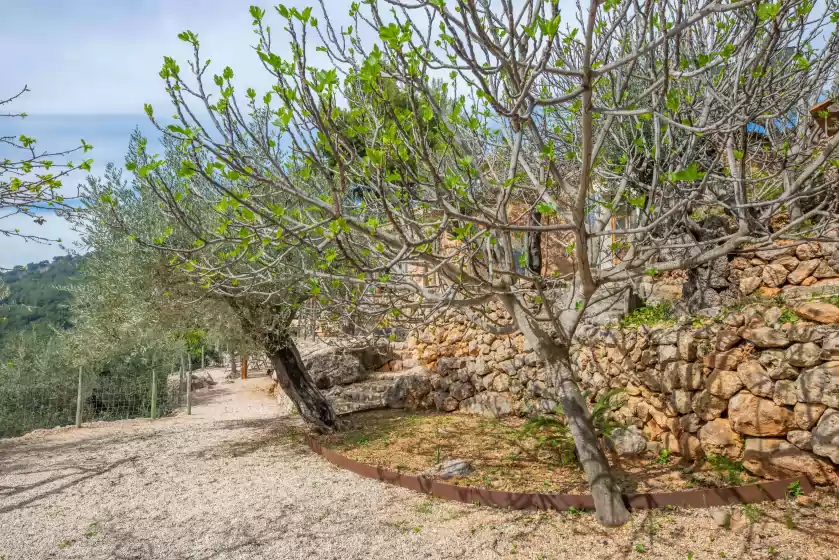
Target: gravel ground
(233,481)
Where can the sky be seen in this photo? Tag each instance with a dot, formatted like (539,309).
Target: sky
(92,64)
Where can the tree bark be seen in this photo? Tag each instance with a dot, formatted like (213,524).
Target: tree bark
(608,500)
(269,327)
(297,384)
(534,245)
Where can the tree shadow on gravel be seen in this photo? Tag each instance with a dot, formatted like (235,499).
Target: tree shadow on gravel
(82,474)
(276,433)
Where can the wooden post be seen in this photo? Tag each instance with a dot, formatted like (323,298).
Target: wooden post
(153,394)
(244,366)
(79,401)
(202,359)
(181,380)
(189,386)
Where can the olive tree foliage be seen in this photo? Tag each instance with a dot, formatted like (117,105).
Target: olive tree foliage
(129,301)
(260,281)
(658,110)
(31,179)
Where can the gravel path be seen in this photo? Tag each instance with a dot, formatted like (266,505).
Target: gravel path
(233,481)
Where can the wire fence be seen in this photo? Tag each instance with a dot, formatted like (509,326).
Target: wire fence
(31,402)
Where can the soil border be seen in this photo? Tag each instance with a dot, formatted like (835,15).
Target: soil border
(705,497)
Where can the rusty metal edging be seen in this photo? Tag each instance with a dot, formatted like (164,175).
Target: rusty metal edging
(706,497)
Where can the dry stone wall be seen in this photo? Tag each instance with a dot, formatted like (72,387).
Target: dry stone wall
(743,385)
(788,269)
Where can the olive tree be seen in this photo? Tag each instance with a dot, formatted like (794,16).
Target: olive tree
(656,110)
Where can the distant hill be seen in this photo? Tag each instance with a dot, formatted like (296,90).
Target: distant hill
(33,300)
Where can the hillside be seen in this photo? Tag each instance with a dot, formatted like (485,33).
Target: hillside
(34,300)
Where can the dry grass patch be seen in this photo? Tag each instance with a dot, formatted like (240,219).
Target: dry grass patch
(506,457)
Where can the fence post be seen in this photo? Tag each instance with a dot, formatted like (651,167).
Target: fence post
(189,385)
(202,359)
(153,394)
(244,366)
(79,401)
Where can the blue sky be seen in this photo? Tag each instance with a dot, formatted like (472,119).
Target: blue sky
(92,64)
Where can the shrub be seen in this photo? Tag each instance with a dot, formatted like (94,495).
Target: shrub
(650,315)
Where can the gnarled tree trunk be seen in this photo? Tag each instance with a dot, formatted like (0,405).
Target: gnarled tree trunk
(269,327)
(608,500)
(296,383)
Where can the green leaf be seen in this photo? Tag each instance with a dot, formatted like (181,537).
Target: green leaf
(768,11)
(690,174)
(546,208)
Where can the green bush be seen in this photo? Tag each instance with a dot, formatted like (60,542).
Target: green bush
(650,315)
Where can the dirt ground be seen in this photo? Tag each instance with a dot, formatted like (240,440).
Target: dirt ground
(234,481)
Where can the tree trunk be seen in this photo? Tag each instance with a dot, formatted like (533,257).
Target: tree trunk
(297,383)
(608,500)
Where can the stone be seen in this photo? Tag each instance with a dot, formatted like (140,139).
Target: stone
(445,402)
(749,284)
(783,371)
(802,439)
(461,391)
(826,436)
(687,346)
(774,253)
(488,403)
(726,340)
(755,379)
(690,376)
(809,281)
(724,384)
(830,348)
(667,353)
(785,393)
(671,442)
(808,414)
(724,360)
(754,416)
(820,384)
(718,438)
(690,423)
(771,358)
(766,337)
(681,401)
(804,354)
(808,251)
(772,315)
(818,311)
(777,458)
(787,261)
(806,333)
(330,366)
(653,430)
(628,441)
(803,270)
(774,275)
(501,383)
(707,406)
(825,271)
(769,292)
(690,447)
(453,468)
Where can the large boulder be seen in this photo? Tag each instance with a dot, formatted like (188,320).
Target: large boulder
(488,403)
(803,270)
(717,437)
(330,366)
(777,458)
(826,436)
(627,441)
(754,416)
(766,337)
(819,312)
